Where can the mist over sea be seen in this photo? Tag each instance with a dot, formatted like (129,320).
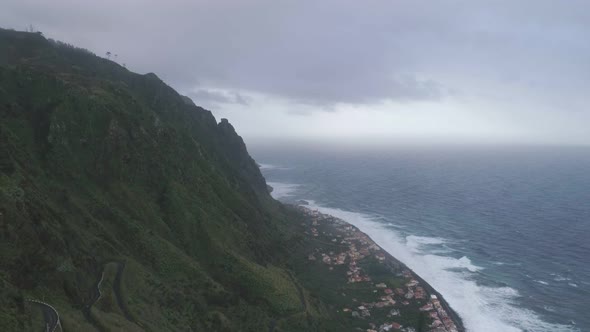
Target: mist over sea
(502,232)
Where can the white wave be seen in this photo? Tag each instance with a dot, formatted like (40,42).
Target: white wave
(572,284)
(542,282)
(282,190)
(440,251)
(558,277)
(465,263)
(483,309)
(419,242)
(507,264)
(270,166)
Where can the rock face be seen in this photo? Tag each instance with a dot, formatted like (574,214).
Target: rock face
(188,101)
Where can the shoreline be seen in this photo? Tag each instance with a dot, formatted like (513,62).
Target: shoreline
(444,318)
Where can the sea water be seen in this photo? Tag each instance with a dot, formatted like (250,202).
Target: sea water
(503,233)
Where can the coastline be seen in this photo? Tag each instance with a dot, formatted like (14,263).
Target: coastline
(429,301)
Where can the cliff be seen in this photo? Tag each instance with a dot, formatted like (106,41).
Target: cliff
(124,206)
(104,168)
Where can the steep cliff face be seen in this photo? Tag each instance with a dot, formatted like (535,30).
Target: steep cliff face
(239,157)
(105,170)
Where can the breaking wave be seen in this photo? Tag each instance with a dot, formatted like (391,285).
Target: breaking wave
(482,308)
(270,166)
(282,190)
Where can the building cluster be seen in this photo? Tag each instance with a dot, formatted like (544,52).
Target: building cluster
(358,246)
(441,320)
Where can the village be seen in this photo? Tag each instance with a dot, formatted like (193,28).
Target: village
(356,247)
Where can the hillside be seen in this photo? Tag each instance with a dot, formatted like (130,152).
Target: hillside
(126,207)
(111,176)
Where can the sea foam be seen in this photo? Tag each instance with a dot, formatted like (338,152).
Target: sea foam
(483,309)
(270,166)
(282,190)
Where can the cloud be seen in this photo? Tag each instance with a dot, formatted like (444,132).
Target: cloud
(313,53)
(210,97)
(526,59)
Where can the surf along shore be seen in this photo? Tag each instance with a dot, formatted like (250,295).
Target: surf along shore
(368,288)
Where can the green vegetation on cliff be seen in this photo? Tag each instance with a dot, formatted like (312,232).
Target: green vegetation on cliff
(100,166)
(126,207)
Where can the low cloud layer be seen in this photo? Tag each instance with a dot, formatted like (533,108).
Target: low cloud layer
(526,59)
(214,98)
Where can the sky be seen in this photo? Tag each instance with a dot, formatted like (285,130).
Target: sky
(376,72)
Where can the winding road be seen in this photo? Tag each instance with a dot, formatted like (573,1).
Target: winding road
(97,294)
(50,314)
(94,298)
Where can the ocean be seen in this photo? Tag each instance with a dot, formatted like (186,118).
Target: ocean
(503,233)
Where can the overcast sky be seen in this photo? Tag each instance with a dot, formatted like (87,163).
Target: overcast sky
(371,71)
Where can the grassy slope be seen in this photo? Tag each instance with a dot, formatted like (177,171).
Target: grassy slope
(101,165)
